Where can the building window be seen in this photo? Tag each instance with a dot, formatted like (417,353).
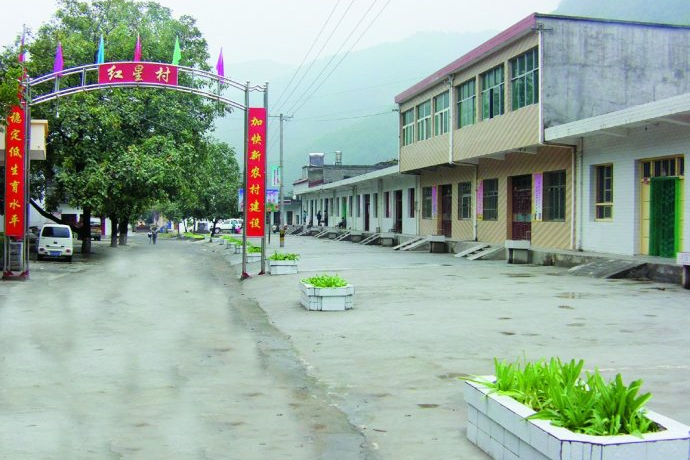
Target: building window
(410,202)
(664,167)
(604,192)
(464,200)
(386,204)
(376,205)
(467,104)
(524,84)
(349,207)
(492,93)
(441,113)
(408,127)
(554,196)
(426,203)
(424,121)
(490,199)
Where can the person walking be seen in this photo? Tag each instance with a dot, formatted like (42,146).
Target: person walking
(318,218)
(154,234)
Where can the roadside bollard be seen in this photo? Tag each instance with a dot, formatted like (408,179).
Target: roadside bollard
(282,237)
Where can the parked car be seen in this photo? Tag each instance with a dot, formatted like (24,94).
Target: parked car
(96,232)
(55,241)
(229,226)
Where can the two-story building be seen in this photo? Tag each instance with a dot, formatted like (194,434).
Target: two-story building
(474,133)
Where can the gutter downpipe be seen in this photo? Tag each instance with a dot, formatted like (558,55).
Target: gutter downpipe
(475,232)
(573,201)
(580,152)
(451,128)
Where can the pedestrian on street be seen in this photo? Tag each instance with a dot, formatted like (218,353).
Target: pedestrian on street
(154,235)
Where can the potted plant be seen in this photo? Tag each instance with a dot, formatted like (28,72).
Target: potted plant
(281,263)
(253,253)
(326,293)
(546,410)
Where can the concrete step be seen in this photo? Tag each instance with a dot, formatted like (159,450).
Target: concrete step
(370,239)
(484,253)
(343,236)
(606,268)
(412,244)
(472,250)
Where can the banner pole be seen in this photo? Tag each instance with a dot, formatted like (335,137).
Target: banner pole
(245,275)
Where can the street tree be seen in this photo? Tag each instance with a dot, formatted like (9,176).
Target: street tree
(115,152)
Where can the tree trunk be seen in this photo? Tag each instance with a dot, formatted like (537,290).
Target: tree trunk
(123,231)
(85,231)
(113,232)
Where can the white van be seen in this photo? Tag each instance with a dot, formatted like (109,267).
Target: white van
(55,240)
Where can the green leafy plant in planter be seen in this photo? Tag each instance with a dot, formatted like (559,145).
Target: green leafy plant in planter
(253,249)
(326,281)
(231,239)
(588,405)
(283,256)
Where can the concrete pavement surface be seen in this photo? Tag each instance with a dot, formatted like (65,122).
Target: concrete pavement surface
(148,352)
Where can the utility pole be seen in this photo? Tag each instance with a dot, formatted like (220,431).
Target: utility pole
(280,185)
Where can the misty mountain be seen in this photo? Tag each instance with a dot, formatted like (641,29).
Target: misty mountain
(353,111)
(666,11)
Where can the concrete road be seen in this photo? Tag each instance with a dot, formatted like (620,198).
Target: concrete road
(151,352)
(420,320)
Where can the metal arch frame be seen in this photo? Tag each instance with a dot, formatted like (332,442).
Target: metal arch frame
(208,78)
(221,82)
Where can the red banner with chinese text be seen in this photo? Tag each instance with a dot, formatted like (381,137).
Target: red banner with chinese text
(15,202)
(255,198)
(137,72)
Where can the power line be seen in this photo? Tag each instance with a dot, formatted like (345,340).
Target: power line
(311,64)
(325,67)
(307,120)
(323,27)
(343,57)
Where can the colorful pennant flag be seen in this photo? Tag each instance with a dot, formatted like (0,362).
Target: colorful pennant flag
(219,66)
(137,50)
(59,63)
(177,54)
(100,57)
(21,48)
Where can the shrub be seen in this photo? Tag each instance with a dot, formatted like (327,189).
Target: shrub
(325,281)
(557,392)
(253,249)
(193,236)
(283,256)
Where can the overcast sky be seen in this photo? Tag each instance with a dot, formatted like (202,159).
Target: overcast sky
(284,30)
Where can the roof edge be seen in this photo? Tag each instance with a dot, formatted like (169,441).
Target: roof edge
(508,35)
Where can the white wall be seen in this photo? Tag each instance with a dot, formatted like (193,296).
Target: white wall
(622,234)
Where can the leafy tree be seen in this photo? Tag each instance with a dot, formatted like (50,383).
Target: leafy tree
(115,152)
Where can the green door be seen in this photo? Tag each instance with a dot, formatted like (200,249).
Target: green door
(662,224)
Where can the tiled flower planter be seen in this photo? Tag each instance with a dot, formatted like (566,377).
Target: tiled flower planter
(282,267)
(326,299)
(497,425)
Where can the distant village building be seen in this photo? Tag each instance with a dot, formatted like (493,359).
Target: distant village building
(571,133)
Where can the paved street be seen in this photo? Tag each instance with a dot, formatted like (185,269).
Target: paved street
(153,352)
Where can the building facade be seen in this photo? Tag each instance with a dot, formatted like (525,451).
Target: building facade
(474,131)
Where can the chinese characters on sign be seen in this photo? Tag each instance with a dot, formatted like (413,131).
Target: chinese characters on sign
(538,202)
(137,72)
(256,172)
(480,200)
(14,173)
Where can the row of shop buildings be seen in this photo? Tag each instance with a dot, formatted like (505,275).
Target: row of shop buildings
(569,132)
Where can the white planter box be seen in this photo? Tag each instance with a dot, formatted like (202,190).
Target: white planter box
(497,425)
(282,267)
(253,257)
(326,299)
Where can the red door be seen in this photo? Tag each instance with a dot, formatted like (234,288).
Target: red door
(521,187)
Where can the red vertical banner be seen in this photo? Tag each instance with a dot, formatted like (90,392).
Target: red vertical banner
(255,194)
(15,203)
